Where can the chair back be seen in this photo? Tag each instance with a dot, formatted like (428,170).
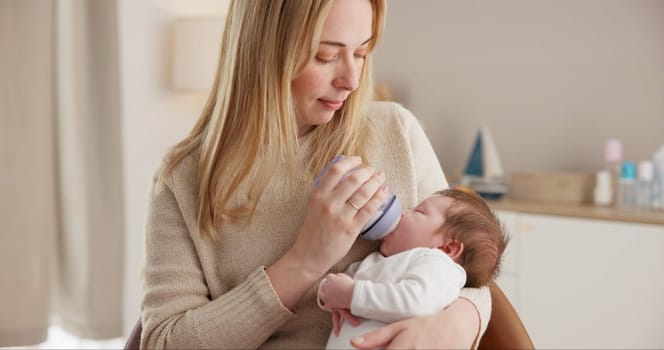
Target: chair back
(134,340)
(505,329)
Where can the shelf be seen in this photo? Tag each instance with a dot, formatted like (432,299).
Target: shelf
(579,210)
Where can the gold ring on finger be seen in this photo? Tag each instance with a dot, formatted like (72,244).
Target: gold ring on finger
(352,204)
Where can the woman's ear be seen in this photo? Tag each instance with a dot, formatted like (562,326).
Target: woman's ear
(452,248)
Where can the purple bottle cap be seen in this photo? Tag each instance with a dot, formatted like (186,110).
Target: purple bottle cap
(386,220)
(327,167)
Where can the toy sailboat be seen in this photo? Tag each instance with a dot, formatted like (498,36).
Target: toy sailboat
(484,171)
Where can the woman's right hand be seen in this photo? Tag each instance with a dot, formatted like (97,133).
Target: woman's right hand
(333,219)
(330,227)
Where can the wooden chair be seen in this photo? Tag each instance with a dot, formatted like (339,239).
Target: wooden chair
(504,331)
(134,340)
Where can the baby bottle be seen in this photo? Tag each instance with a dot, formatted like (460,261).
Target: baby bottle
(384,220)
(627,186)
(603,193)
(644,179)
(658,180)
(613,154)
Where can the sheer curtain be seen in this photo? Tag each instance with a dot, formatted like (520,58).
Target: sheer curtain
(61,248)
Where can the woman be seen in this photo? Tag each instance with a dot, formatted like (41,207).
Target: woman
(237,238)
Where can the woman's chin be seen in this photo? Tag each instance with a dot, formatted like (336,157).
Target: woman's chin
(316,117)
(321,117)
(324,119)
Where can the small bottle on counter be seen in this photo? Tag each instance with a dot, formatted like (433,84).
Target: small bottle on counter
(644,185)
(658,180)
(627,186)
(613,154)
(603,193)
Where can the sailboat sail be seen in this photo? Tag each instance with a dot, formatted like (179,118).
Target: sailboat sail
(475,164)
(493,168)
(484,170)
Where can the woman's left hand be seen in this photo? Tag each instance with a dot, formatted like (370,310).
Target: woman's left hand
(456,327)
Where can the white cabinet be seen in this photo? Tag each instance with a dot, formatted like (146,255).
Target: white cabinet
(583,283)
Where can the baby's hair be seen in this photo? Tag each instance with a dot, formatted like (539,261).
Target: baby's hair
(472,222)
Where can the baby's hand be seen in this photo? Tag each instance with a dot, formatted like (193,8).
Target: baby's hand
(336,291)
(341,315)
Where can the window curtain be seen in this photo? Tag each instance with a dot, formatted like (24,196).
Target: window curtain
(61,205)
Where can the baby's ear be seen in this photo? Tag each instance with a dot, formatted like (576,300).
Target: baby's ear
(452,248)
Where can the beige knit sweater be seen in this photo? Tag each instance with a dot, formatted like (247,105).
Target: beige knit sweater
(204,294)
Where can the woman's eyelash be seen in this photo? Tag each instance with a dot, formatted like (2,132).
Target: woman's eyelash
(328,61)
(325,61)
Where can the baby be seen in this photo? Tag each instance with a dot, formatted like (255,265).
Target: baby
(450,240)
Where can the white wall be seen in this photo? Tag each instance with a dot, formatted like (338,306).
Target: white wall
(553,80)
(153,116)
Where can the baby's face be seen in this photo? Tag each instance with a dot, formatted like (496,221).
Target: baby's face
(419,227)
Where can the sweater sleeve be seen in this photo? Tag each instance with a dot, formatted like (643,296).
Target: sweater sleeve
(177,310)
(481,298)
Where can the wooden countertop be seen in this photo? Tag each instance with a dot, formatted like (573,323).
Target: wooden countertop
(586,211)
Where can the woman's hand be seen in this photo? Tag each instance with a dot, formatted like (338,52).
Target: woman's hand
(340,206)
(456,327)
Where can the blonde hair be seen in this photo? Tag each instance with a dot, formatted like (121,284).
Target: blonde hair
(248,125)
